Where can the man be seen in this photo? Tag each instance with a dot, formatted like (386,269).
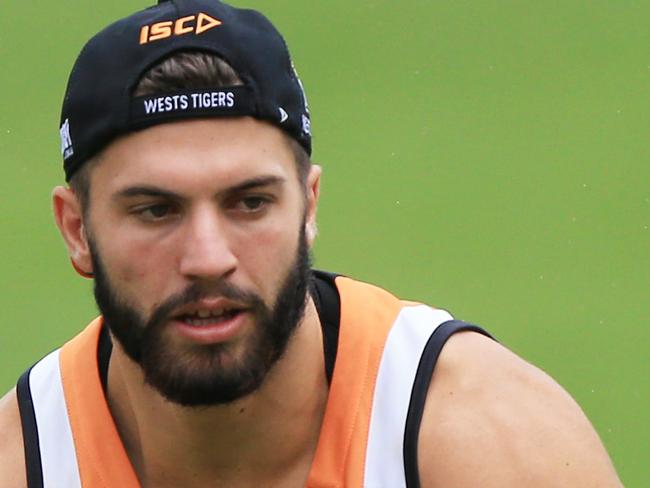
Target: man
(221,358)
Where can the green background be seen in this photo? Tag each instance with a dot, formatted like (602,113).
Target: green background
(488,157)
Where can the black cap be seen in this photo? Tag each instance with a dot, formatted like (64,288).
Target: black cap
(99,105)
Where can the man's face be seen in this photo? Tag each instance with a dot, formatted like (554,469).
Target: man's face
(197,236)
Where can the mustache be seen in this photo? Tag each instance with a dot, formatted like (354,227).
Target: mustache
(202,290)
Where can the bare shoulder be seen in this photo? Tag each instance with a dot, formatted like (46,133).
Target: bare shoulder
(493,420)
(12,457)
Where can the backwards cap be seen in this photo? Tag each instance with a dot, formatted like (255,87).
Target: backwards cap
(99,106)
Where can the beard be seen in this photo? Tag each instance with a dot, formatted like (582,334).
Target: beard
(206,375)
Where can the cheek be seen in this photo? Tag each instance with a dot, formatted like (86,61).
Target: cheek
(267,255)
(137,267)
(272,247)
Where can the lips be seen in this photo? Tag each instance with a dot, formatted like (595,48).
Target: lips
(204,317)
(208,311)
(210,320)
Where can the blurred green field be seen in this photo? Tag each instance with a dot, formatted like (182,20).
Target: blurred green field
(488,157)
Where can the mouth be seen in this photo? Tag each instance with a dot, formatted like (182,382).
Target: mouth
(203,317)
(210,322)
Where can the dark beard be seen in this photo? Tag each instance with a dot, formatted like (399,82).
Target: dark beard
(206,375)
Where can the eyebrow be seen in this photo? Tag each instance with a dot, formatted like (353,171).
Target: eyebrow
(255,183)
(155,191)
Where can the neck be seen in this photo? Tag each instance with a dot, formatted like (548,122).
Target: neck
(268,435)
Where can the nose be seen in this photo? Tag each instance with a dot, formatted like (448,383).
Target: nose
(206,252)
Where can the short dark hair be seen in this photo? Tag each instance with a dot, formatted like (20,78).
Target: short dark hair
(186,70)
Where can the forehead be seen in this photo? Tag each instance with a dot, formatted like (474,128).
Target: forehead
(207,152)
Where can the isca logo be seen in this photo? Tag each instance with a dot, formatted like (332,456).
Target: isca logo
(196,24)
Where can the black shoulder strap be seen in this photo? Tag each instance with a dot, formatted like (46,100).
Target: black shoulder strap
(419,393)
(104,350)
(30,432)
(328,304)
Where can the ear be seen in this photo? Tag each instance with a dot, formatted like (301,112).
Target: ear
(313,192)
(69,219)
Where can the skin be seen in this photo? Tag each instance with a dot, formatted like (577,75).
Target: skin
(490,418)
(12,455)
(493,420)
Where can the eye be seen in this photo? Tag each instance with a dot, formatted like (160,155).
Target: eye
(252,204)
(155,213)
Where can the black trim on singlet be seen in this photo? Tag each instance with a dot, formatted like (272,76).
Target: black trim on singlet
(104,350)
(328,304)
(419,393)
(33,467)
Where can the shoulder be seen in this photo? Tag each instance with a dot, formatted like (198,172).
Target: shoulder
(12,457)
(492,419)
